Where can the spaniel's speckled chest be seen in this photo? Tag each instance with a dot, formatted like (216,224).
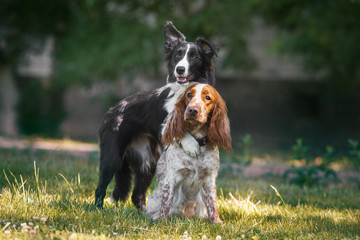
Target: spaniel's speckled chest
(186,172)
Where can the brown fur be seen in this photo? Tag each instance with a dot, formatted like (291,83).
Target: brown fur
(219,129)
(177,127)
(218,124)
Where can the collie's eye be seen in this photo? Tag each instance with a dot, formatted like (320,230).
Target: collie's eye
(195,57)
(208,98)
(189,95)
(177,56)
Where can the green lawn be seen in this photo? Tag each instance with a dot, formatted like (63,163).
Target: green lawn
(55,201)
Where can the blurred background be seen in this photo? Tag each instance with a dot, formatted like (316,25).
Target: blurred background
(287,69)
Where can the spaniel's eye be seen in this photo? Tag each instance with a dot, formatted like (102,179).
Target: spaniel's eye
(189,95)
(195,57)
(177,56)
(208,98)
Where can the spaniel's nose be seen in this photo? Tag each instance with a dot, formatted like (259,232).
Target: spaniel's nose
(180,70)
(193,112)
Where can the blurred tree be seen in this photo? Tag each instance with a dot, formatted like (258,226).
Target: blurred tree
(100,40)
(109,38)
(326,33)
(24,25)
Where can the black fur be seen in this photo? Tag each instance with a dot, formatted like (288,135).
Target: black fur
(130,134)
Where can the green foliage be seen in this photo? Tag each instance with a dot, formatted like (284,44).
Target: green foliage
(354,152)
(299,150)
(313,170)
(324,33)
(108,39)
(40,108)
(101,39)
(241,156)
(311,175)
(244,155)
(24,26)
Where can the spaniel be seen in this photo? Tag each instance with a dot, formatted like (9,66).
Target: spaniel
(186,184)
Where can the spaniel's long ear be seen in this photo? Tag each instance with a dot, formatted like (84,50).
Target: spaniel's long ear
(219,129)
(176,127)
(172,36)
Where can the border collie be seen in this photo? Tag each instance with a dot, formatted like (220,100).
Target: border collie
(130,134)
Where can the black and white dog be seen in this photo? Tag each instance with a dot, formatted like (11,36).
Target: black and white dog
(130,134)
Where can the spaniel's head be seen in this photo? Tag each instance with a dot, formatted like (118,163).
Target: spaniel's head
(200,105)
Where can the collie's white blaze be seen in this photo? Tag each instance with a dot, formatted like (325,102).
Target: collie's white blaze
(183,63)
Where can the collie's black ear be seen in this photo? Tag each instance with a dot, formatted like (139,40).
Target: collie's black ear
(172,36)
(208,51)
(207,47)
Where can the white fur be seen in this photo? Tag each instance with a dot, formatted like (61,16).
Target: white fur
(119,120)
(160,90)
(190,145)
(198,103)
(181,189)
(199,87)
(112,199)
(183,63)
(123,105)
(142,147)
(175,92)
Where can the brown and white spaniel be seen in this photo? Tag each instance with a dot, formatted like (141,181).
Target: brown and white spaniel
(186,184)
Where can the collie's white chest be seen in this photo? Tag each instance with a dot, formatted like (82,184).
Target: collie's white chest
(175,93)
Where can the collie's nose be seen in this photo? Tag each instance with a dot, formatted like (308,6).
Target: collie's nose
(180,70)
(193,112)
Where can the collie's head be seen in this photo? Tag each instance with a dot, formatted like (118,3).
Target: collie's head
(188,61)
(199,107)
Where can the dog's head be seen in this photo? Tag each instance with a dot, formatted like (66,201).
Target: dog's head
(200,105)
(188,61)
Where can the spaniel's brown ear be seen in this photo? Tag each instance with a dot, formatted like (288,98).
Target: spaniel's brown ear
(219,129)
(176,127)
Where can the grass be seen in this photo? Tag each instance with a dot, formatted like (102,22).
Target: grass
(49,195)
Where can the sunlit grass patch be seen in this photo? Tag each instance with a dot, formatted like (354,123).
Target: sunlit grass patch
(50,196)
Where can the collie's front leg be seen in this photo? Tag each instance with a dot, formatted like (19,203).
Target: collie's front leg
(210,202)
